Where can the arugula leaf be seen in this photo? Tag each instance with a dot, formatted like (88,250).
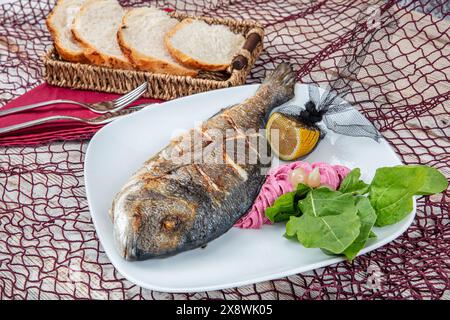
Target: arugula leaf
(293,237)
(392,190)
(329,221)
(333,233)
(435,182)
(286,205)
(324,201)
(367,217)
(328,253)
(353,184)
(302,190)
(391,193)
(341,222)
(282,208)
(371,235)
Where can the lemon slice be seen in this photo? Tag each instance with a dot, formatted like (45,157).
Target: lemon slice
(288,138)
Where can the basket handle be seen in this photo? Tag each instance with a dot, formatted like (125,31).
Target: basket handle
(253,39)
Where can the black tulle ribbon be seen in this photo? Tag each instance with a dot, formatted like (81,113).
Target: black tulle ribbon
(330,107)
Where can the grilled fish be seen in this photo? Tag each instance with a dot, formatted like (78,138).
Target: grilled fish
(170,206)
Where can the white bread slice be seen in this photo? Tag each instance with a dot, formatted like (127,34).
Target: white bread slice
(59,23)
(141,38)
(95,26)
(196,44)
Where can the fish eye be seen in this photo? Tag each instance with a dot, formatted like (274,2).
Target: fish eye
(171,223)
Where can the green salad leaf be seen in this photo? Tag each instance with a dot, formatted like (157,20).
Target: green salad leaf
(328,253)
(329,221)
(302,190)
(353,184)
(434,182)
(333,233)
(392,190)
(324,202)
(282,208)
(341,222)
(286,205)
(372,235)
(367,217)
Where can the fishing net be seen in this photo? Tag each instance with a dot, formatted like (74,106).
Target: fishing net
(48,245)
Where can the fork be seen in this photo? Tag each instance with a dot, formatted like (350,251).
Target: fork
(98,120)
(98,107)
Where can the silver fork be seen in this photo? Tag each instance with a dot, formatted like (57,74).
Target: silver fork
(102,119)
(98,107)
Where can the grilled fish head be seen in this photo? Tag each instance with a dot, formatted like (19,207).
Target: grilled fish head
(145,205)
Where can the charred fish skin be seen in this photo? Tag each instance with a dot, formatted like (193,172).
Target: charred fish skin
(206,226)
(166,207)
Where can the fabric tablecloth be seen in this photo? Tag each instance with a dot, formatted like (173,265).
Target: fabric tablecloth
(48,245)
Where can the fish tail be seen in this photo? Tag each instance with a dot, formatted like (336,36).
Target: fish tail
(280,83)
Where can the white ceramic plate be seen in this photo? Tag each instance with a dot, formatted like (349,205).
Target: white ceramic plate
(239,257)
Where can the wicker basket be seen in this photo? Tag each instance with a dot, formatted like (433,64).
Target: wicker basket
(161,86)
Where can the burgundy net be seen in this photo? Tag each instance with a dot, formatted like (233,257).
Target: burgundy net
(48,245)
